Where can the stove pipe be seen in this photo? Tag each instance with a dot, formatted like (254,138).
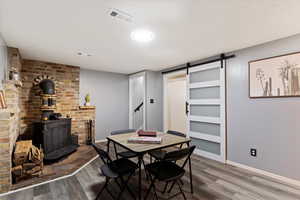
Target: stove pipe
(47,86)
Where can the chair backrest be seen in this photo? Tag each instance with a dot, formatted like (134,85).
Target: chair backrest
(176,133)
(102,154)
(179,154)
(117,132)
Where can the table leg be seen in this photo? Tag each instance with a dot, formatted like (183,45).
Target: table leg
(140,176)
(191,175)
(190,170)
(108,142)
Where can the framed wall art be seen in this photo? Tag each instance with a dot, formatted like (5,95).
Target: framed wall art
(277,76)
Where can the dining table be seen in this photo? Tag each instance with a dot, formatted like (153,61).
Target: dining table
(140,149)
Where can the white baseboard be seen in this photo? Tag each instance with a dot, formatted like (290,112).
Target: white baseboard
(56,179)
(262,172)
(208,155)
(98,141)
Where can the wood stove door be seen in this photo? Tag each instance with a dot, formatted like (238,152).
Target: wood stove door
(57,135)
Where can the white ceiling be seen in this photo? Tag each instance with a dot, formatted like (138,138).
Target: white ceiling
(185,30)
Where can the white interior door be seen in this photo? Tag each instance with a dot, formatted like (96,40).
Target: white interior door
(176,100)
(206,117)
(137,96)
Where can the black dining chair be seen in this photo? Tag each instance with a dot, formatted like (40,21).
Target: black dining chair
(116,170)
(168,171)
(159,154)
(126,153)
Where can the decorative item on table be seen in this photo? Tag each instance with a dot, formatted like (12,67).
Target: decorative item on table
(87,100)
(278,76)
(3,104)
(145,133)
(145,140)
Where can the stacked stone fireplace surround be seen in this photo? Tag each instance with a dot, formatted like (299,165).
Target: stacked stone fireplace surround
(23,101)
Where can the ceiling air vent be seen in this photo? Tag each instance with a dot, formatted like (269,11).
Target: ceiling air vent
(119,14)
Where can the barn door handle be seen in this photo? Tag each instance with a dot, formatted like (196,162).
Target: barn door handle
(187,108)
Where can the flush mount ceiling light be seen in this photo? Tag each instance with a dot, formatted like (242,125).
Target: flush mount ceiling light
(142,35)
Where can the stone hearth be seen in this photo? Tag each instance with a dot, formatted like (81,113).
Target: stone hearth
(67,166)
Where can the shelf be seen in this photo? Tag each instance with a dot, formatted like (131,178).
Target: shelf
(48,95)
(87,107)
(44,108)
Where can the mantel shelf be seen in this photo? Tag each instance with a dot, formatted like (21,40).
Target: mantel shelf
(87,107)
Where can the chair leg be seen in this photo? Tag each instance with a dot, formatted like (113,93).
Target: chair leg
(155,193)
(116,153)
(122,190)
(116,180)
(126,185)
(109,192)
(150,187)
(191,176)
(171,188)
(181,182)
(181,190)
(165,188)
(102,189)
(147,176)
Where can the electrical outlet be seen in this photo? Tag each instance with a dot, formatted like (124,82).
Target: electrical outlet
(253,152)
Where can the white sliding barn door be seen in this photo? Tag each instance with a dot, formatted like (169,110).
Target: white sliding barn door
(206,117)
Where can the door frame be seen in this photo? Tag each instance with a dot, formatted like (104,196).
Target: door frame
(139,74)
(165,96)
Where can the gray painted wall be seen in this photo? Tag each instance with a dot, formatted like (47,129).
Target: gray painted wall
(109,93)
(154,90)
(270,125)
(3,60)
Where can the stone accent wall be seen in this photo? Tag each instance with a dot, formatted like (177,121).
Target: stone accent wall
(9,120)
(67,92)
(5,156)
(13,95)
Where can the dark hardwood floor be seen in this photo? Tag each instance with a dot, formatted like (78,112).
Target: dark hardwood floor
(212,181)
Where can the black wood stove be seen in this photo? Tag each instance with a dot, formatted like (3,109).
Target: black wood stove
(54,136)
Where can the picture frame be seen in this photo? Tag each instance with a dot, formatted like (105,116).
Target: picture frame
(275,77)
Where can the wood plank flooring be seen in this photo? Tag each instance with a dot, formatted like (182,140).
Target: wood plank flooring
(63,167)
(212,181)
